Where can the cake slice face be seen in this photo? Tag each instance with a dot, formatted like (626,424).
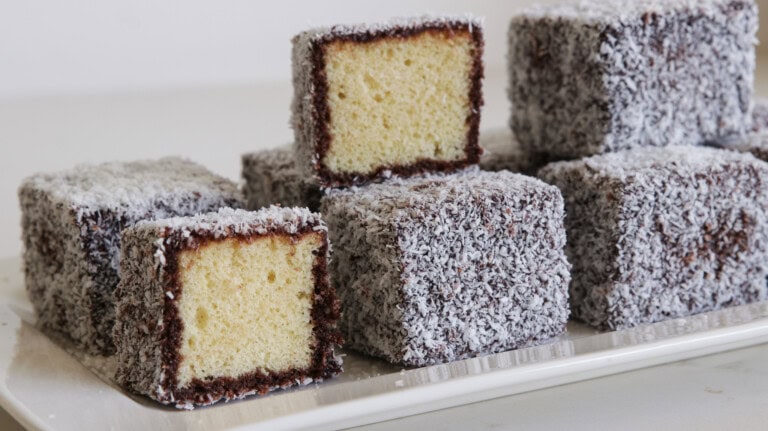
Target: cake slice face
(398,101)
(246,306)
(402,97)
(225,305)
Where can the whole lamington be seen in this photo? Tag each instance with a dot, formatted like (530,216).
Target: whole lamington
(401,97)
(593,76)
(661,233)
(437,269)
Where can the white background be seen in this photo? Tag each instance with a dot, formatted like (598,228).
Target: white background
(96,46)
(98,80)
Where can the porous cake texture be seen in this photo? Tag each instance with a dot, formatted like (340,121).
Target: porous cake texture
(225,305)
(71,223)
(273,177)
(501,151)
(437,269)
(401,97)
(660,233)
(592,76)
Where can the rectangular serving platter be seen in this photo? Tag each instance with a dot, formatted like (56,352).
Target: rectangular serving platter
(45,384)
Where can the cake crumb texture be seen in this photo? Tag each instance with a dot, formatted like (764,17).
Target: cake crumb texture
(246,306)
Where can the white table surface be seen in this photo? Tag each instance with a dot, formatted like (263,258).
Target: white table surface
(215,125)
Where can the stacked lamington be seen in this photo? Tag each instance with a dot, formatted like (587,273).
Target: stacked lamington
(399,98)
(434,259)
(596,76)
(658,226)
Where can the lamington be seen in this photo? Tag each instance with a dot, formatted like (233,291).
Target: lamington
(501,151)
(592,76)
(71,223)
(401,97)
(273,177)
(224,305)
(436,269)
(660,233)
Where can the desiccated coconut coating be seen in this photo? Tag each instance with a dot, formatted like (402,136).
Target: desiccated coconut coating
(659,233)
(596,76)
(442,268)
(272,177)
(501,151)
(71,223)
(149,329)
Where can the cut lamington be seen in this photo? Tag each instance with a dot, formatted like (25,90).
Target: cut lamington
(273,177)
(224,305)
(71,223)
(437,269)
(401,97)
(594,76)
(659,233)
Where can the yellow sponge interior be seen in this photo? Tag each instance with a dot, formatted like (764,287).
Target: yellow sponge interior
(245,306)
(394,101)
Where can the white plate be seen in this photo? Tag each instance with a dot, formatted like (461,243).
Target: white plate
(44,384)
